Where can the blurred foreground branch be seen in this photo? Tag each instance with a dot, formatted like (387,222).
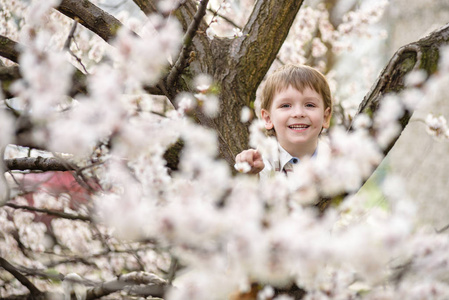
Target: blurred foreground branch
(38,164)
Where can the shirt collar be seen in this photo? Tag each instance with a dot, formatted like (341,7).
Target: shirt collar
(285,157)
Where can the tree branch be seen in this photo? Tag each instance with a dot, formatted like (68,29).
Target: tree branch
(142,284)
(442,229)
(423,55)
(181,62)
(91,17)
(7,76)
(9,49)
(37,164)
(138,283)
(35,292)
(147,6)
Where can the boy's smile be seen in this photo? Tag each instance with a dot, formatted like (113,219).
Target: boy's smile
(297,119)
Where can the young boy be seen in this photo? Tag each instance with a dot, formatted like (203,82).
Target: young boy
(296,105)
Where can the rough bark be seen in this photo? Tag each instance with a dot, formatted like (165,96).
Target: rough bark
(37,164)
(147,6)
(91,17)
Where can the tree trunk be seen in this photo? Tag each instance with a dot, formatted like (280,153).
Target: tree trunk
(239,66)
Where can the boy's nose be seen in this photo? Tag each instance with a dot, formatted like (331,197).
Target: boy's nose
(297,112)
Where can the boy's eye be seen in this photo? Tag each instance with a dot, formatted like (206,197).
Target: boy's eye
(284,105)
(310,105)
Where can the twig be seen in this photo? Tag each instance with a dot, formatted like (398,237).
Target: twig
(172,269)
(69,41)
(19,184)
(50,212)
(85,260)
(35,292)
(101,237)
(135,254)
(78,175)
(217,14)
(40,273)
(442,229)
(98,163)
(187,42)
(226,19)
(158,114)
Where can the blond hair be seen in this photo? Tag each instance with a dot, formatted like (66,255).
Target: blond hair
(298,76)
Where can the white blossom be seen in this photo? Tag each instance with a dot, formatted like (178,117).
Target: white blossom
(415,78)
(245,114)
(237,32)
(210,104)
(167,6)
(186,102)
(242,167)
(318,48)
(210,32)
(443,63)
(437,126)
(362,121)
(73,283)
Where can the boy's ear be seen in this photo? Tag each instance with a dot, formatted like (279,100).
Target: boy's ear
(266,118)
(327,117)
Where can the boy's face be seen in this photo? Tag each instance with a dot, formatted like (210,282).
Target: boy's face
(297,119)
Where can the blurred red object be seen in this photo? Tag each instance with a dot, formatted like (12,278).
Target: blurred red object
(55,184)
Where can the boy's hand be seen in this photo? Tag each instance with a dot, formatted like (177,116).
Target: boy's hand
(253,158)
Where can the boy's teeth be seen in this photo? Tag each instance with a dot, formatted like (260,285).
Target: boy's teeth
(298,126)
